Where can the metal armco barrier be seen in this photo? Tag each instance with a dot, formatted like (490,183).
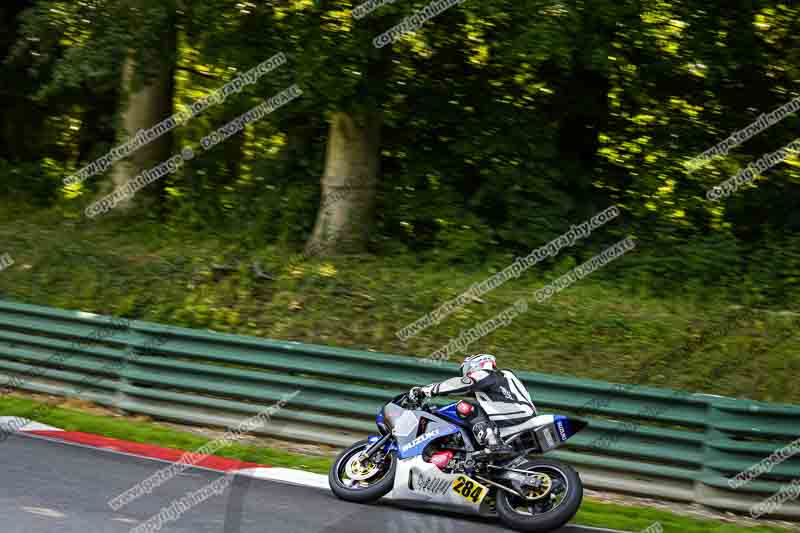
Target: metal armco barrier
(652,442)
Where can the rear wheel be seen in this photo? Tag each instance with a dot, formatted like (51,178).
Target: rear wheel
(355,479)
(553,492)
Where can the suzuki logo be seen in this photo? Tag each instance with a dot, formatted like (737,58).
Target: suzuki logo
(420,440)
(561,431)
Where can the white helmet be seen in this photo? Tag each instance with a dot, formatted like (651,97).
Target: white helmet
(481,361)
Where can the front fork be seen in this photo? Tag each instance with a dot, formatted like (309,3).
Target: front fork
(377,445)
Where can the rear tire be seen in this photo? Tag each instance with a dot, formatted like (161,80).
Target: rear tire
(361,494)
(508,504)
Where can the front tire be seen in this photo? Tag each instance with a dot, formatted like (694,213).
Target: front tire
(554,509)
(378,479)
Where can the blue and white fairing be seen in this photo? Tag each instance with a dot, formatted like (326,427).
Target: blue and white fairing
(419,481)
(451,414)
(551,431)
(565,427)
(408,442)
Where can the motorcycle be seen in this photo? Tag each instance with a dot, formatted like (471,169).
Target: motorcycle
(429,454)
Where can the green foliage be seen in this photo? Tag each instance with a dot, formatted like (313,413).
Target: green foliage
(462,242)
(773,269)
(37,182)
(667,266)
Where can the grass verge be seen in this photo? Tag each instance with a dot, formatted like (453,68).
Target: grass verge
(592,513)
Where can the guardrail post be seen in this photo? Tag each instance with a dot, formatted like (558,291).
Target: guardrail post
(120,397)
(702,492)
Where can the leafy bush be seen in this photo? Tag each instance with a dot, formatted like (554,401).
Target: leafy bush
(37,182)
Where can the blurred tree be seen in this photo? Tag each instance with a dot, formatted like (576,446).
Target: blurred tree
(344,219)
(148,84)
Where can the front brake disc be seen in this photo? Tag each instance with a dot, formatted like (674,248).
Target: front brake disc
(357,470)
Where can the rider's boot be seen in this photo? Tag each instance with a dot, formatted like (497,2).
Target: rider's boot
(495,445)
(489,436)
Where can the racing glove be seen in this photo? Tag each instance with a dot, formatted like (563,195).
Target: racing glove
(417,393)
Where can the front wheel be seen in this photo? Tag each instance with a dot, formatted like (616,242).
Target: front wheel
(553,492)
(353,479)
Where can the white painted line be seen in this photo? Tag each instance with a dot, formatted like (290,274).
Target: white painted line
(288,475)
(43,511)
(294,477)
(13,424)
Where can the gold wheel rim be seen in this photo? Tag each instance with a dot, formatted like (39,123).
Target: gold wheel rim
(359,470)
(537,493)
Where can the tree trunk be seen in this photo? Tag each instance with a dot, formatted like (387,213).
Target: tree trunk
(147,105)
(348,184)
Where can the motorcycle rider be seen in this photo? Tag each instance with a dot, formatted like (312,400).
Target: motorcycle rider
(505,405)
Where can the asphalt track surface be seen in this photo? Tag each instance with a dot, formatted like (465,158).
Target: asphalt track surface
(54,487)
